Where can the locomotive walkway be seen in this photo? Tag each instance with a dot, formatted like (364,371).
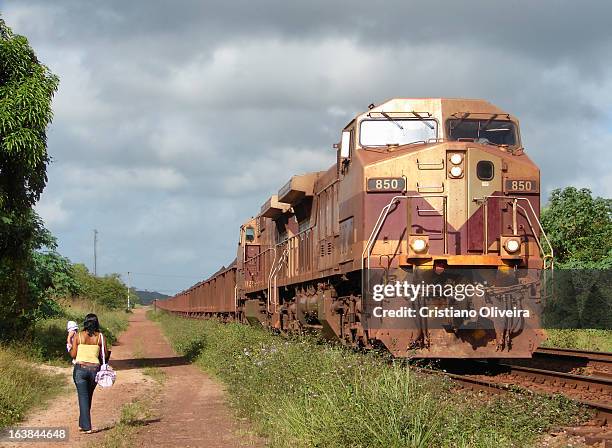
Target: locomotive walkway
(190,410)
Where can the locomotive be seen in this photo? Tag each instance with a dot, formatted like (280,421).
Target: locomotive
(435,190)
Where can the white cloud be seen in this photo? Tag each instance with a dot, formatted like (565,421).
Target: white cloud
(52,211)
(120,181)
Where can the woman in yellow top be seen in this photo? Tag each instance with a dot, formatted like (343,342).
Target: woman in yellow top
(86,351)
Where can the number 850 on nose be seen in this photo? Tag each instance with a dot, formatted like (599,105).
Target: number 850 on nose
(384,184)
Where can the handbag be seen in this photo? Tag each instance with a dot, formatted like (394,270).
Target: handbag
(106,376)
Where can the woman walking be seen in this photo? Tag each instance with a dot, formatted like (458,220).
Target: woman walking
(86,351)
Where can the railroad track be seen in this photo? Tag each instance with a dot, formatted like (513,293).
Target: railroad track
(574,353)
(598,363)
(599,432)
(583,387)
(604,410)
(550,371)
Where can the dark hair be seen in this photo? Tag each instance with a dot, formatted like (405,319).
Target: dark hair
(91,324)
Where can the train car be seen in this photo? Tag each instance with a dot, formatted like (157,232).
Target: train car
(213,297)
(433,189)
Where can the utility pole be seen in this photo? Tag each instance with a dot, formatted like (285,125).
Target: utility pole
(95,253)
(128,291)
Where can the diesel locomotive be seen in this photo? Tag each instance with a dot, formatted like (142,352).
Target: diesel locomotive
(422,188)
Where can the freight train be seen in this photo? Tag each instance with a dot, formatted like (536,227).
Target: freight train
(422,189)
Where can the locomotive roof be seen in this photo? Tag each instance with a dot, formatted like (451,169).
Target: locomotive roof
(440,108)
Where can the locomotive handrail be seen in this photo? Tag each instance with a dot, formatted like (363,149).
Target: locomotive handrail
(273,272)
(270,280)
(439,164)
(430,187)
(333,182)
(260,253)
(365,255)
(545,256)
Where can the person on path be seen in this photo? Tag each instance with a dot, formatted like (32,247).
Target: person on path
(86,352)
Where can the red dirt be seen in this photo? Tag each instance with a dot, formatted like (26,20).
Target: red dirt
(192,407)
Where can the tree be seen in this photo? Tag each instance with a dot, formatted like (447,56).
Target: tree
(579,227)
(45,275)
(108,291)
(26,90)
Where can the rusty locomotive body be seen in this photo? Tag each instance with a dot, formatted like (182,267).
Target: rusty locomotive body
(420,186)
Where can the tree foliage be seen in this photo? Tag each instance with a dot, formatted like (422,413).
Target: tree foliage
(49,276)
(26,91)
(108,291)
(44,274)
(580,228)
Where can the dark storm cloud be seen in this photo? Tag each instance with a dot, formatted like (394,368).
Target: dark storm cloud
(176,120)
(545,29)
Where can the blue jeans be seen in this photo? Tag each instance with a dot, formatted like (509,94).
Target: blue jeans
(85,381)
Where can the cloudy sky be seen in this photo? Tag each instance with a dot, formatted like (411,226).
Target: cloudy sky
(175,120)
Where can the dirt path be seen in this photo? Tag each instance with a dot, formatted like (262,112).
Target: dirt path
(190,410)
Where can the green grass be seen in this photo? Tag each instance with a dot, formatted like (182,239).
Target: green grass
(23,386)
(302,393)
(123,434)
(594,340)
(156,373)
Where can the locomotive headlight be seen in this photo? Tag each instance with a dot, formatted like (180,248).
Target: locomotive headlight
(456,159)
(418,245)
(456,171)
(512,245)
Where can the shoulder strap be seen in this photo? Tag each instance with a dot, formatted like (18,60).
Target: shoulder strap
(103,348)
(80,337)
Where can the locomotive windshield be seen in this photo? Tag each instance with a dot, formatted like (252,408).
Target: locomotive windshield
(396,131)
(497,132)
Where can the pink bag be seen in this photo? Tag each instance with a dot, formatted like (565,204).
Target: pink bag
(106,376)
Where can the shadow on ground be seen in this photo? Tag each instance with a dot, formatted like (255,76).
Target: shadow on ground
(139,363)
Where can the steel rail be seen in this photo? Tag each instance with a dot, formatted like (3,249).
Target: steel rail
(562,379)
(603,357)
